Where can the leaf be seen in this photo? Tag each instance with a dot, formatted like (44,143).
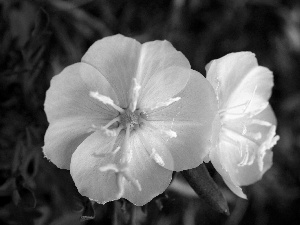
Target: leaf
(206,188)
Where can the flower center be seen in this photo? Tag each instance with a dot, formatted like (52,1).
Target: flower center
(128,118)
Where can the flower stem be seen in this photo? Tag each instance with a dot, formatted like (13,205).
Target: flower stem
(206,188)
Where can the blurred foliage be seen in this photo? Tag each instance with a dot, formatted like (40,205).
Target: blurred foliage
(38,38)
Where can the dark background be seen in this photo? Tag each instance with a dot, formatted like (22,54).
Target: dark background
(38,38)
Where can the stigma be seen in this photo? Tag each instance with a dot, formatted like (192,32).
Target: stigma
(129,118)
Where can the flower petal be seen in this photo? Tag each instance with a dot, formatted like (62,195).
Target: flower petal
(244,153)
(116,57)
(249,155)
(226,73)
(254,91)
(239,81)
(162,87)
(216,160)
(180,133)
(157,56)
(147,179)
(69,94)
(153,179)
(72,113)
(62,138)
(89,157)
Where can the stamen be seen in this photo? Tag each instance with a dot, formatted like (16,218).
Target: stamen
(135,95)
(128,177)
(247,104)
(251,161)
(222,111)
(154,155)
(157,158)
(167,103)
(138,185)
(271,140)
(261,122)
(251,99)
(122,174)
(170,133)
(120,180)
(112,132)
(245,158)
(120,183)
(126,157)
(255,136)
(233,133)
(271,137)
(117,119)
(116,150)
(246,161)
(92,128)
(105,100)
(261,155)
(109,167)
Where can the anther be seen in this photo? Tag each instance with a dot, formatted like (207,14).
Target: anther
(135,95)
(105,100)
(166,103)
(251,99)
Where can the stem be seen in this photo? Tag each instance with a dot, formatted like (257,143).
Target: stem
(203,184)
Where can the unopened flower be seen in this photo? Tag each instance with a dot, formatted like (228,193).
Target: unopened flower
(126,116)
(244,129)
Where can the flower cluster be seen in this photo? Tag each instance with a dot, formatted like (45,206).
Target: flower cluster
(129,114)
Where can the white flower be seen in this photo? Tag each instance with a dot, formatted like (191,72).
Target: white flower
(127,116)
(244,129)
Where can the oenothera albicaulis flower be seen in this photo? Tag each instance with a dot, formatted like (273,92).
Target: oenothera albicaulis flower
(126,116)
(244,128)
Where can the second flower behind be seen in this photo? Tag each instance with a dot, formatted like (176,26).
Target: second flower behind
(244,128)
